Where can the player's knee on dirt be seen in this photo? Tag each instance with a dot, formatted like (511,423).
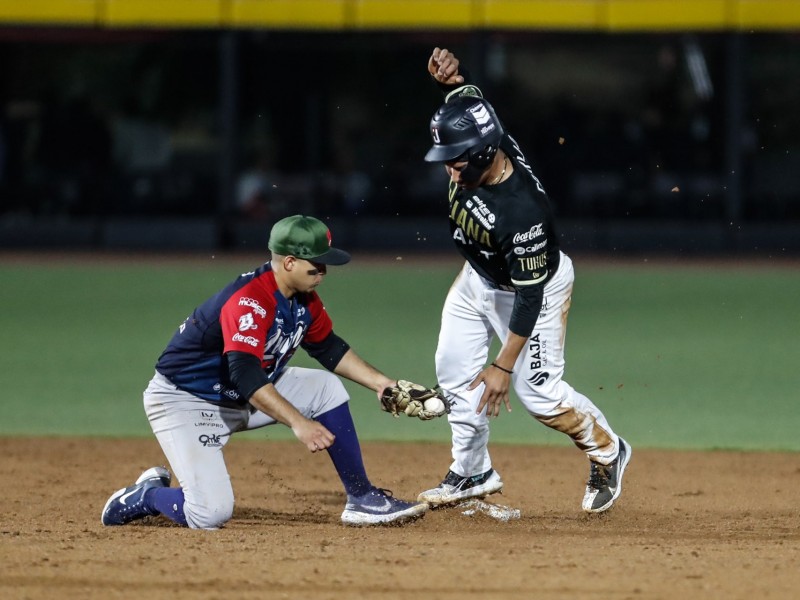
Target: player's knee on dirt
(207,517)
(212,513)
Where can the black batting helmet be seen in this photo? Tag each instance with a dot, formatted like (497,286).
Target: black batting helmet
(466,126)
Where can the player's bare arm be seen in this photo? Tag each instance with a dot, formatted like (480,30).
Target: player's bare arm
(496,377)
(314,435)
(354,368)
(443,66)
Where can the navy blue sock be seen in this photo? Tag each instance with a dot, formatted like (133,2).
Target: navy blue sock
(346,451)
(168,502)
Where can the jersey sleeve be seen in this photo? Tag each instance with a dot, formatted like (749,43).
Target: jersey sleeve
(321,325)
(526,246)
(245,321)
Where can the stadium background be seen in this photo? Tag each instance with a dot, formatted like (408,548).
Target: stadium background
(666,126)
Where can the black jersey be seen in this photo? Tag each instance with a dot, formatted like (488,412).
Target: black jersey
(506,232)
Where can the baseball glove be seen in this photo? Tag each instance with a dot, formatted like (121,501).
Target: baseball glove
(414,400)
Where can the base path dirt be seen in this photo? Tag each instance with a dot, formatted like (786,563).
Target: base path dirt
(688,525)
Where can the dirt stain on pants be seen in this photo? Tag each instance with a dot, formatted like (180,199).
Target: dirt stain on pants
(583,429)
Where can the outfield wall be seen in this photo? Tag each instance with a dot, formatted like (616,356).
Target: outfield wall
(401,235)
(337,15)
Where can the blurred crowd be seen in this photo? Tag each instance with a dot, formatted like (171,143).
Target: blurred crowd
(618,126)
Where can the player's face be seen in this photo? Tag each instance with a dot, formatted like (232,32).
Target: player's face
(455,170)
(311,273)
(302,275)
(318,269)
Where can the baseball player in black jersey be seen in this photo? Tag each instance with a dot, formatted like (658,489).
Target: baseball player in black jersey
(516,284)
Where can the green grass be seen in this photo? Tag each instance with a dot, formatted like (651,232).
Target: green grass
(677,357)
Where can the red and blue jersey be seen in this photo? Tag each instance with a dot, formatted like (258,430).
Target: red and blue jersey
(249,315)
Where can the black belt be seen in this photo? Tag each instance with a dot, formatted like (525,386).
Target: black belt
(497,286)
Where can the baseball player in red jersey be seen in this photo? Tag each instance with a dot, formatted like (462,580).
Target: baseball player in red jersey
(226,370)
(516,284)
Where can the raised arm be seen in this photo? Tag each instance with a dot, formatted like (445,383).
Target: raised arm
(443,67)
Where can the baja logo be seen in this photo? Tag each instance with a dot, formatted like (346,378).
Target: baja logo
(257,308)
(249,340)
(537,352)
(526,236)
(210,441)
(247,322)
(539,378)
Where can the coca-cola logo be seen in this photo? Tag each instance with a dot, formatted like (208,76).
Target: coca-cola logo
(526,236)
(249,339)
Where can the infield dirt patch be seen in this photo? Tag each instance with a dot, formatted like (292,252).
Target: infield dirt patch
(689,525)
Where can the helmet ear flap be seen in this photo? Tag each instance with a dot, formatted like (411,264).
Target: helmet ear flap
(477,163)
(484,157)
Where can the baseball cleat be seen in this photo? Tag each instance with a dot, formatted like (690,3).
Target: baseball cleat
(605,481)
(128,504)
(378,507)
(455,488)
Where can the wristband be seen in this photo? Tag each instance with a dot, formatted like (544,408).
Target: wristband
(464,90)
(496,366)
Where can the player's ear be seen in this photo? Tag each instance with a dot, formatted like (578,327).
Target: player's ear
(289,263)
(286,263)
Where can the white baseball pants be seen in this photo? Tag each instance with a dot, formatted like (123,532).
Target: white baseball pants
(474,312)
(192,433)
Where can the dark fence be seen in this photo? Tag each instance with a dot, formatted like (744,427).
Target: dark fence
(670,142)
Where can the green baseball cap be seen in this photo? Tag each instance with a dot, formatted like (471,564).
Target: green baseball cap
(307,238)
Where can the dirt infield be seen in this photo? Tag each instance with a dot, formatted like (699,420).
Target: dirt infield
(689,525)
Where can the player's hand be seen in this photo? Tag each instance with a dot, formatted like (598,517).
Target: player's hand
(443,66)
(314,435)
(495,394)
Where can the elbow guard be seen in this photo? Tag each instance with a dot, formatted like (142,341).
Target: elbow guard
(245,373)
